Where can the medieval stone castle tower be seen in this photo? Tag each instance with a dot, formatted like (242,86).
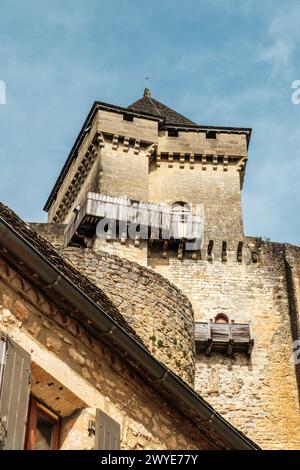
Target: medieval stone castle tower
(222,315)
(244,291)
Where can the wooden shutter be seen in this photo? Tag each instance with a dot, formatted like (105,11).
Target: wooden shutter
(107,432)
(14,394)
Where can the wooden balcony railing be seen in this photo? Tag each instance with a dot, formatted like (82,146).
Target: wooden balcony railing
(122,209)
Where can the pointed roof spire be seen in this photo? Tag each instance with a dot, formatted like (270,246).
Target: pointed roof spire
(149,105)
(147,93)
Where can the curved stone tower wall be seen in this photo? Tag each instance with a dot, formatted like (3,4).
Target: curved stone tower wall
(159,312)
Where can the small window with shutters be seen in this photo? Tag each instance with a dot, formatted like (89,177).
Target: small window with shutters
(107,432)
(14,394)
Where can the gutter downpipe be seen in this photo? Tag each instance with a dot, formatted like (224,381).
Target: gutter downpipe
(56,281)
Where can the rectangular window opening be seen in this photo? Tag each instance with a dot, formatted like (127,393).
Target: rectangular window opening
(128,117)
(172,133)
(43,427)
(211,135)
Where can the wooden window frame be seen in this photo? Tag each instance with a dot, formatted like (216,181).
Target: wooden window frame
(36,406)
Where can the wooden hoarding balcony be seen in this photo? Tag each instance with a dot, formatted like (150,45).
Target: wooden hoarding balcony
(158,217)
(223,337)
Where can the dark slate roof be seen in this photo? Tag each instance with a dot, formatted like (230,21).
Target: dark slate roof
(149,105)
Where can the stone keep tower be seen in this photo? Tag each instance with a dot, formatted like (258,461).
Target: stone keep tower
(244,291)
(148,152)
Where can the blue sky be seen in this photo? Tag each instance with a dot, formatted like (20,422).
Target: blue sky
(217,62)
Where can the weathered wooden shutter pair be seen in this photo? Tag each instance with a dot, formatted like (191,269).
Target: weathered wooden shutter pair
(14,394)
(14,398)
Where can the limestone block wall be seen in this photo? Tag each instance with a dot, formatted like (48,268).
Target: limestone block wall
(292,262)
(292,258)
(158,311)
(138,254)
(54,233)
(86,375)
(90,184)
(218,190)
(140,128)
(259,395)
(196,142)
(106,153)
(124,173)
(83,151)
(120,157)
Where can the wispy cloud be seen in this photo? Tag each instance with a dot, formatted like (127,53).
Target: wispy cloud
(223,63)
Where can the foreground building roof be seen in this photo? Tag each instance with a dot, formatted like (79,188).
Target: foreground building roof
(40,262)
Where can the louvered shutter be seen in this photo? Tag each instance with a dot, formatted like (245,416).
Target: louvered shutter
(107,432)
(14,394)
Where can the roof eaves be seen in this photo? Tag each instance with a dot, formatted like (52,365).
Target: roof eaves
(112,107)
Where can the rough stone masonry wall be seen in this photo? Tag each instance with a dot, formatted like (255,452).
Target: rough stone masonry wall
(80,365)
(292,260)
(53,233)
(127,251)
(74,167)
(156,309)
(218,190)
(258,395)
(124,173)
(118,168)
